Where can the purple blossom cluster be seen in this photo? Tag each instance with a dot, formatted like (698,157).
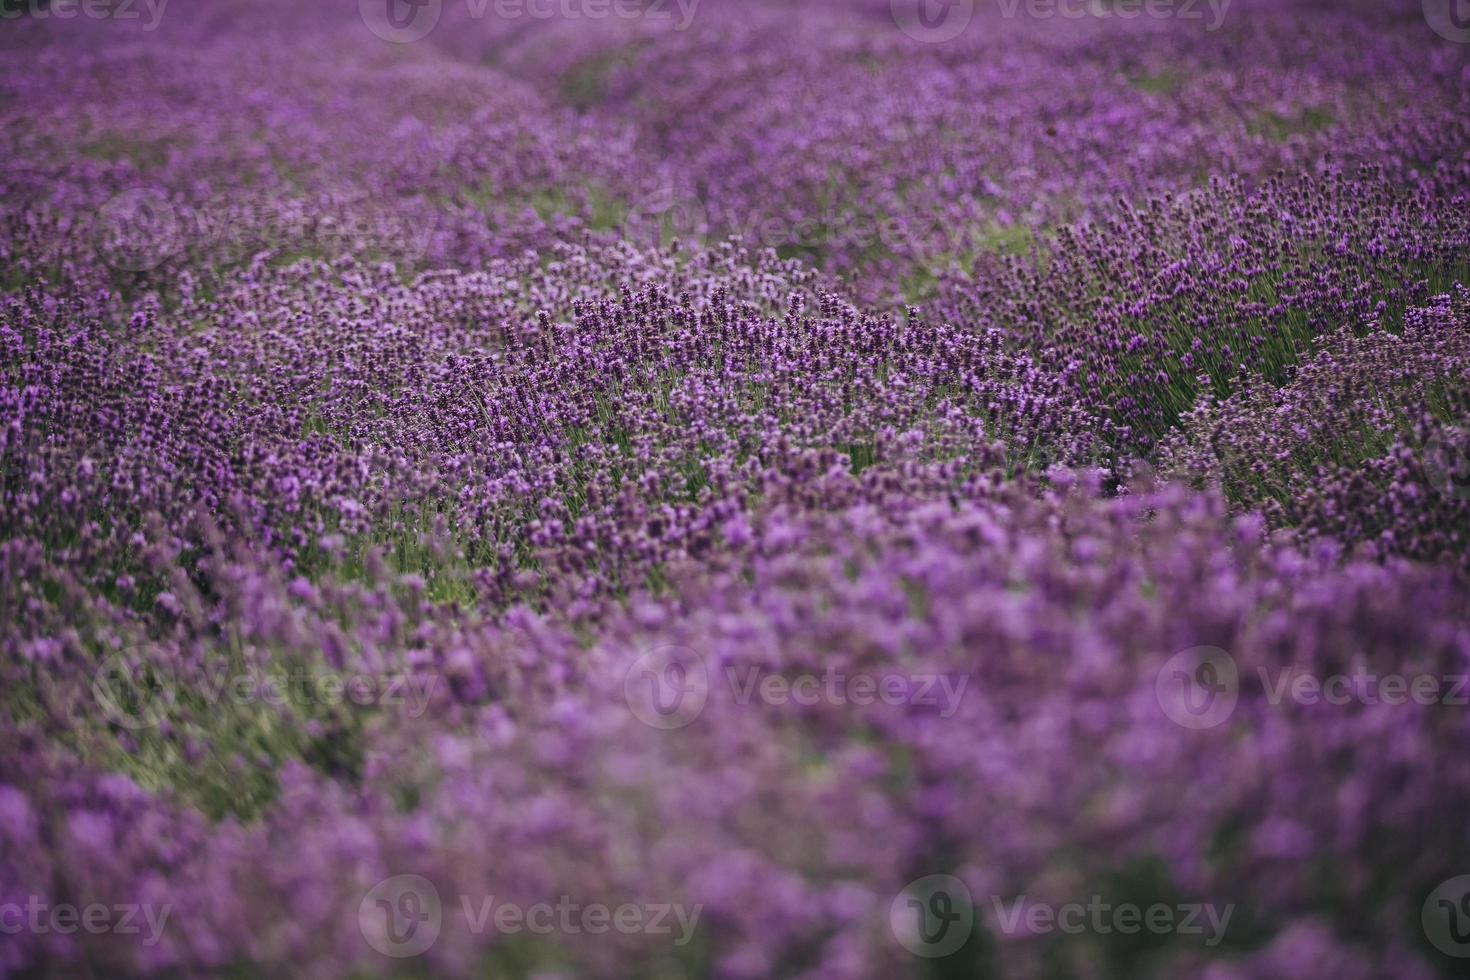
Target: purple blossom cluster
(1365,444)
(1057,774)
(826,133)
(743,490)
(1156,306)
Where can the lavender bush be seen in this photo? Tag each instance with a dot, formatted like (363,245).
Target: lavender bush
(735,490)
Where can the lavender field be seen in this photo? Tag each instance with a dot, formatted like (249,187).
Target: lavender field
(735,488)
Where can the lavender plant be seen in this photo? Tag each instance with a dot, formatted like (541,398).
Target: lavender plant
(734,490)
